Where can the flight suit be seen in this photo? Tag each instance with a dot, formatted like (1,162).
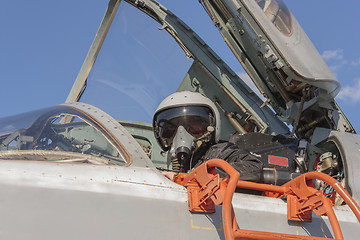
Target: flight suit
(249,167)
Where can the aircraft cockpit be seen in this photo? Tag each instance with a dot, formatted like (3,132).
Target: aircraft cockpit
(95,159)
(150,53)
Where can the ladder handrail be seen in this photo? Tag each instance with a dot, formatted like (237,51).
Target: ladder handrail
(299,189)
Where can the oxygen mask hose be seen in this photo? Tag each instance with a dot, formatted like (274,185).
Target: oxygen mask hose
(175,165)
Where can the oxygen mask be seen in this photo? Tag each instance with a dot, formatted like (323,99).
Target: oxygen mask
(180,130)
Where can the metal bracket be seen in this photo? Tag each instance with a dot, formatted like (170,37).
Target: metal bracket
(204,190)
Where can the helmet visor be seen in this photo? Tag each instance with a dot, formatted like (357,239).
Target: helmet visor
(195,120)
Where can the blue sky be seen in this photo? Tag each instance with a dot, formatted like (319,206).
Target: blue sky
(43,45)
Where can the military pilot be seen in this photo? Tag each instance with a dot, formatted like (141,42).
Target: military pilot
(187,125)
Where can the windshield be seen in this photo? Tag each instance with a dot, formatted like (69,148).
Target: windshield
(60,134)
(278,13)
(137,67)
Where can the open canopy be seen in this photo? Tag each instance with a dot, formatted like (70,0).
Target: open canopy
(145,56)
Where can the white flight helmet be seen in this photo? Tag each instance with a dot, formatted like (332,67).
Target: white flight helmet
(192,110)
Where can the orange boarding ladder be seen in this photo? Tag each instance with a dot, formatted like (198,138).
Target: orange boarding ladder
(206,189)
